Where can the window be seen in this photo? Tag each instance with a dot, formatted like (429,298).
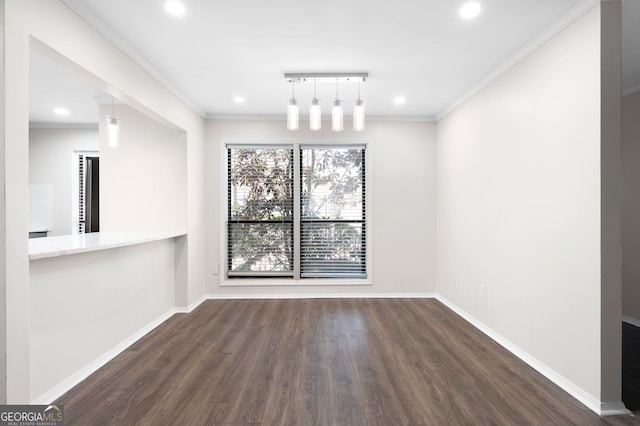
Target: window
(260,211)
(296,211)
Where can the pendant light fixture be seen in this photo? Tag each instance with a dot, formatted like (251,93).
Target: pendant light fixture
(358,113)
(337,117)
(292,109)
(337,110)
(113,126)
(315,113)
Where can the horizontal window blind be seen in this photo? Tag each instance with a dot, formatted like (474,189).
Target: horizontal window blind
(333,212)
(299,219)
(260,232)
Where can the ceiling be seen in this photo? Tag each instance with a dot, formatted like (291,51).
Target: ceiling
(53,85)
(420,50)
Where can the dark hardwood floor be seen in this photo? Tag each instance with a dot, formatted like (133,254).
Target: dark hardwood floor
(631,366)
(321,362)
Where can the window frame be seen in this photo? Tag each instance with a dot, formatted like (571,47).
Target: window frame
(296,280)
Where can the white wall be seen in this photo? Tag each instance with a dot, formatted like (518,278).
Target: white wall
(80,310)
(51,157)
(143,182)
(519,207)
(51,25)
(401,175)
(631,206)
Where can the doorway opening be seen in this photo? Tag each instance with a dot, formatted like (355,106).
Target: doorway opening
(86,192)
(631,366)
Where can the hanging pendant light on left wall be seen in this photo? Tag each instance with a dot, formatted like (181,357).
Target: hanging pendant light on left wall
(113,126)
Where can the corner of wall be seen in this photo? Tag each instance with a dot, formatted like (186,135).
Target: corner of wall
(3,276)
(611,183)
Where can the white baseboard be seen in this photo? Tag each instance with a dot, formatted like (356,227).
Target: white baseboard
(191,307)
(240,296)
(631,321)
(64,386)
(600,408)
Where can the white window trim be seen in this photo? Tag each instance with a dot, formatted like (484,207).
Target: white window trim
(306,282)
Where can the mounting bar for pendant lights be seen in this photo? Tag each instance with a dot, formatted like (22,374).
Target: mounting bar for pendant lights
(327,77)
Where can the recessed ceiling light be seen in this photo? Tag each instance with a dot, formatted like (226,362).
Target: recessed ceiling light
(399,100)
(174,8)
(61,111)
(238,99)
(470,9)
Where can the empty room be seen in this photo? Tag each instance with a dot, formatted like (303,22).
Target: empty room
(342,213)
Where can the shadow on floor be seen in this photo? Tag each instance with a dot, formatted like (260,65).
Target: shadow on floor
(631,366)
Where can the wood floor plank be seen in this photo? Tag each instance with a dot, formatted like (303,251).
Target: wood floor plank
(314,378)
(425,397)
(283,395)
(379,400)
(313,410)
(345,393)
(333,320)
(321,362)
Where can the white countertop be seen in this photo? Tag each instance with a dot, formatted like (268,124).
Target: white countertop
(41,248)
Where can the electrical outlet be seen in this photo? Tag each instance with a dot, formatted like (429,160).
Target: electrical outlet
(483,291)
(215,270)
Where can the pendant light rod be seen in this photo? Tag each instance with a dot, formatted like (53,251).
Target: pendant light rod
(323,77)
(337,114)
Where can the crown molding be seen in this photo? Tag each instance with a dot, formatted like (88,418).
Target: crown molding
(107,99)
(63,126)
(127,50)
(246,117)
(557,27)
(372,118)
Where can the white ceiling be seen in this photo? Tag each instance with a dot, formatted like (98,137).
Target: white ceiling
(418,49)
(54,85)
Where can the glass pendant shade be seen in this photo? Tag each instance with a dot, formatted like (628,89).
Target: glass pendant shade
(337,105)
(315,115)
(358,115)
(292,115)
(113,131)
(337,116)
